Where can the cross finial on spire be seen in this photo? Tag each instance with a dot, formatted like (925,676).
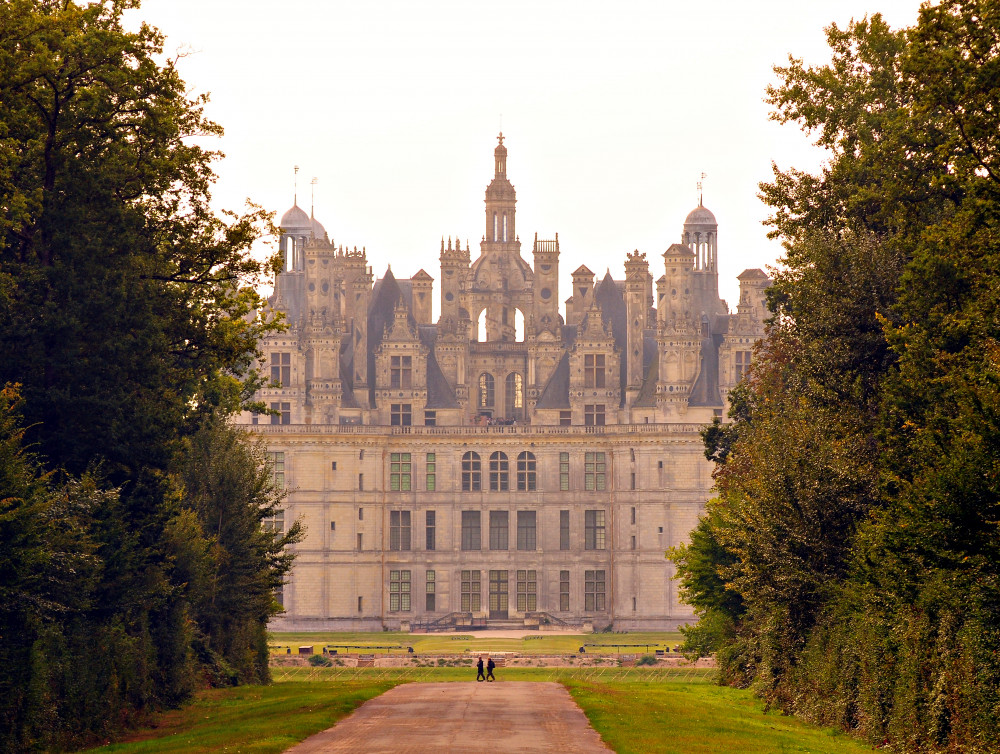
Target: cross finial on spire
(312,197)
(700,195)
(295,194)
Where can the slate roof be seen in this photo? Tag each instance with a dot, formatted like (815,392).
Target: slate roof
(439,392)
(608,296)
(556,392)
(347,399)
(650,371)
(706,386)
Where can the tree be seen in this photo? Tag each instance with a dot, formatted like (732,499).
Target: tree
(230,487)
(127,317)
(858,501)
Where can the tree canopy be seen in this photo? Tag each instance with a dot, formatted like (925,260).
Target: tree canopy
(128,324)
(858,500)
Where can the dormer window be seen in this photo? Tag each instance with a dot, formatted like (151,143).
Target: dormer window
(593,370)
(401,371)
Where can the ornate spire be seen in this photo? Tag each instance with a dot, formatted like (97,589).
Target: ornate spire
(500,153)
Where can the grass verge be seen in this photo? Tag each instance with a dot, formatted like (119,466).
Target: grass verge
(636,710)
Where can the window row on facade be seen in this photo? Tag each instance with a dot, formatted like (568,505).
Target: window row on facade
(498,531)
(401,414)
(498,472)
(498,589)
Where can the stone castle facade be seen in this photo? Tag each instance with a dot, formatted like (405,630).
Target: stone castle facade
(506,462)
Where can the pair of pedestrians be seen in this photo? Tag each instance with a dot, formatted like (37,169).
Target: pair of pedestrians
(489,669)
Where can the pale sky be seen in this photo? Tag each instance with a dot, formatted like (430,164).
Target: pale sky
(610,112)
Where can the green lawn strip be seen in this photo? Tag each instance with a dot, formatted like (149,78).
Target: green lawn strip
(634,709)
(539,643)
(637,717)
(260,719)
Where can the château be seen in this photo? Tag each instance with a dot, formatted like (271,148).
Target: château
(509,461)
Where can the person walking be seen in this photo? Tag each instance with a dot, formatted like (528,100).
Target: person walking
(489,669)
(479,670)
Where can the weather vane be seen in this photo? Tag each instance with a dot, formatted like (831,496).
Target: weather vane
(703,177)
(312,195)
(296,185)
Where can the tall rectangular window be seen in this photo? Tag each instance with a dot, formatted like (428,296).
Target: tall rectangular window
(499,530)
(593,370)
(400,414)
(593,414)
(564,471)
(563,530)
(593,591)
(399,472)
(526,530)
(593,530)
(431,590)
(430,472)
(399,591)
(527,591)
(277,463)
(593,471)
(742,364)
(430,530)
(282,413)
(399,530)
(564,590)
(281,369)
(471,531)
(401,371)
(471,592)
(275,523)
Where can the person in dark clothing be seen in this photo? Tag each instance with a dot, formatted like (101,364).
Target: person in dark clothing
(489,669)
(479,670)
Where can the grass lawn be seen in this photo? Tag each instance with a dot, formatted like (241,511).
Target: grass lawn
(540,643)
(634,717)
(677,713)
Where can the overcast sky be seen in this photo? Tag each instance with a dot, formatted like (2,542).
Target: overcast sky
(610,111)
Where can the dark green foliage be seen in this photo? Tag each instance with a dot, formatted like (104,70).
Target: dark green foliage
(858,501)
(231,564)
(126,317)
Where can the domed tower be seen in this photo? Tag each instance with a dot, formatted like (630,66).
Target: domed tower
(296,229)
(701,232)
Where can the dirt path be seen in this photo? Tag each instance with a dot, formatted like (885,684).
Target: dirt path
(445,718)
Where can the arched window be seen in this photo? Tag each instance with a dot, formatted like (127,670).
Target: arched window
(487,386)
(494,226)
(472,472)
(481,327)
(499,472)
(525,472)
(505,227)
(514,395)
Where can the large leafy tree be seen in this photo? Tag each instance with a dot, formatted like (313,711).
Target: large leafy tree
(231,489)
(127,317)
(889,301)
